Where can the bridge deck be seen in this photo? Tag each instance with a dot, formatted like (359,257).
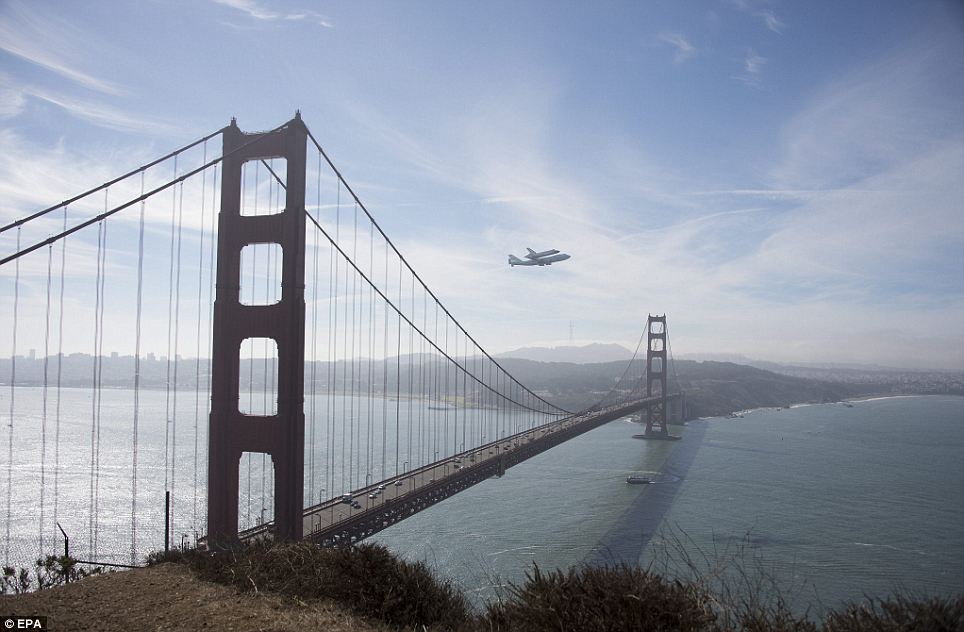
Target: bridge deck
(335,521)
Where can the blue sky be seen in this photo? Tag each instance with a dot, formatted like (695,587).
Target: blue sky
(784,180)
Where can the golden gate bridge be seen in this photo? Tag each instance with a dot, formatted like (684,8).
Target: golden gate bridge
(311,385)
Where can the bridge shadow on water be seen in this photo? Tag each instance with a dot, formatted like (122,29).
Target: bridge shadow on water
(632,531)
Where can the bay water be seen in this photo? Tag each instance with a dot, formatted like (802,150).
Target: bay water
(833,501)
(830,502)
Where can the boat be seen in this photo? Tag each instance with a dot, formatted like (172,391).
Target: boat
(634,479)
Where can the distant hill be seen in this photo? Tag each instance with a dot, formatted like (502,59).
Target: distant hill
(712,388)
(586,354)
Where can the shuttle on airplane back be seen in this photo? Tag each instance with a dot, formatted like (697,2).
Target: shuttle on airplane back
(544,258)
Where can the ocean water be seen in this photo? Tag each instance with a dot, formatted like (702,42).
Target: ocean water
(833,501)
(836,502)
(78,473)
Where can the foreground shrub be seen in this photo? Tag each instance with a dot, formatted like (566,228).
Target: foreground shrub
(366,578)
(900,614)
(603,599)
(755,618)
(50,571)
(371,581)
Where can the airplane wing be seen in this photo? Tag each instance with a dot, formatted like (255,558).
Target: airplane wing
(516,261)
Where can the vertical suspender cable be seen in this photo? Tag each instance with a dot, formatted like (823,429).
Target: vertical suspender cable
(411,352)
(314,347)
(100,383)
(448,400)
(455,414)
(264,380)
(332,355)
(351,401)
(137,372)
(60,365)
(459,399)
(398,370)
(483,409)
(422,439)
(211,274)
(371,352)
(197,354)
(43,423)
(275,280)
(347,422)
(13,381)
(93,411)
(344,426)
(177,325)
(170,307)
(385,371)
(254,255)
(437,392)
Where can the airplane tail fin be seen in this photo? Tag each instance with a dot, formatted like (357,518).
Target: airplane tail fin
(514,260)
(532,252)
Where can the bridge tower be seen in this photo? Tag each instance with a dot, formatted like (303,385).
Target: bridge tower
(656,413)
(232,433)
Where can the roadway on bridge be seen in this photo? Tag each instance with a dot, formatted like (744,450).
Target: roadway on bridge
(379,496)
(337,510)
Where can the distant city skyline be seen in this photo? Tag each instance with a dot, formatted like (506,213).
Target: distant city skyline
(782,180)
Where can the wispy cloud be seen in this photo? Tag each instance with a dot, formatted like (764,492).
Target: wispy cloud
(753,62)
(13,99)
(752,67)
(872,117)
(772,21)
(787,268)
(256,11)
(684,50)
(49,42)
(757,9)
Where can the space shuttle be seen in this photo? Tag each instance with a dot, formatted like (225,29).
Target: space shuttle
(533,258)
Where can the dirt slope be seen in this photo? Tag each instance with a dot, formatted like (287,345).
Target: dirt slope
(169,597)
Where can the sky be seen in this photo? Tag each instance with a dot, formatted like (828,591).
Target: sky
(785,180)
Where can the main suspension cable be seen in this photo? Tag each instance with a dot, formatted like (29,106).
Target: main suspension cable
(109,183)
(388,301)
(93,220)
(411,269)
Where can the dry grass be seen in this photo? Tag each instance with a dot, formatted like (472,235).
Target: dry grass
(304,587)
(601,599)
(899,614)
(367,579)
(171,598)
